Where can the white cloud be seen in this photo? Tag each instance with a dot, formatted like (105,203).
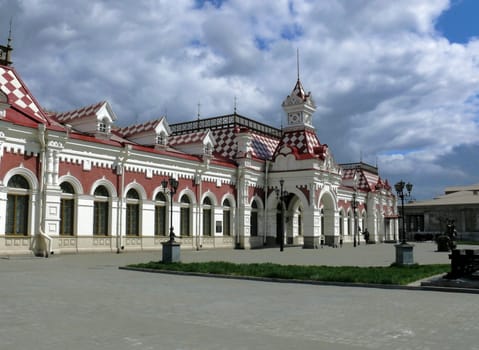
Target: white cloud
(387,85)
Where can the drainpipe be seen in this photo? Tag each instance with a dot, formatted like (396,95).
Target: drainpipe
(41,237)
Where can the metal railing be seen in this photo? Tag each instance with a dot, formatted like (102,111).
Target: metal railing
(223,122)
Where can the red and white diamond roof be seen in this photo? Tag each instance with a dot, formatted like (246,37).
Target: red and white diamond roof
(263,146)
(139,128)
(84,112)
(18,95)
(366,180)
(185,139)
(303,142)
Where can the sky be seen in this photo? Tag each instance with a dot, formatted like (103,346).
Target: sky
(396,83)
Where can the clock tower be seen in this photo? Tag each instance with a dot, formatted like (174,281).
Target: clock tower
(299,107)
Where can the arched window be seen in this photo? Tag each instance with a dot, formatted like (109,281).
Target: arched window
(18,199)
(160,214)
(226,218)
(185,214)
(207,212)
(101,211)
(254,219)
(67,209)
(132,213)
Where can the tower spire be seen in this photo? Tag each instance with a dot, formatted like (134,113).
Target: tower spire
(5,51)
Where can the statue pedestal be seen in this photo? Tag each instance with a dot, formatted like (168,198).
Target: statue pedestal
(404,254)
(171,252)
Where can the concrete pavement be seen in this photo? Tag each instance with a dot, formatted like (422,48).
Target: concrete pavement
(85,302)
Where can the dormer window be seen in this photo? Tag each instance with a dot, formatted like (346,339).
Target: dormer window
(161,139)
(208,149)
(103,126)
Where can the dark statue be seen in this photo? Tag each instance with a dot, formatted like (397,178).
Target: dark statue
(447,241)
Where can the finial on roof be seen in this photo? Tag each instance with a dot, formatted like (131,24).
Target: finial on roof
(297,61)
(5,51)
(199,105)
(234,106)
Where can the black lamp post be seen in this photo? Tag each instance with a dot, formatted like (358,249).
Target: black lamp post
(172,190)
(401,194)
(171,249)
(404,251)
(281,194)
(354,205)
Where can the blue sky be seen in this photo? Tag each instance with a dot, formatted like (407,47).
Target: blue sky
(396,83)
(461,22)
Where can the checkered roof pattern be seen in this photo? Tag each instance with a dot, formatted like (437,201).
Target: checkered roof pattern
(139,128)
(186,139)
(88,111)
(18,95)
(263,146)
(225,142)
(304,141)
(366,180)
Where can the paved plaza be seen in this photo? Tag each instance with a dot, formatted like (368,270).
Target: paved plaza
(85,301)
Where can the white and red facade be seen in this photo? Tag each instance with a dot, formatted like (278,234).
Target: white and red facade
(74,182)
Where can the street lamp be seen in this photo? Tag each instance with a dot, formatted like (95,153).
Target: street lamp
(171,249)
(354,205)
(172,190)
(281,194)
(404,251)
(401,194)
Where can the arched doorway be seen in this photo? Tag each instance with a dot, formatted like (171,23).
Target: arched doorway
(279,223)
(254,219)
(328,232)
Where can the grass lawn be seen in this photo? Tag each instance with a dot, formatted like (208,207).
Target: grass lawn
(398,275)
